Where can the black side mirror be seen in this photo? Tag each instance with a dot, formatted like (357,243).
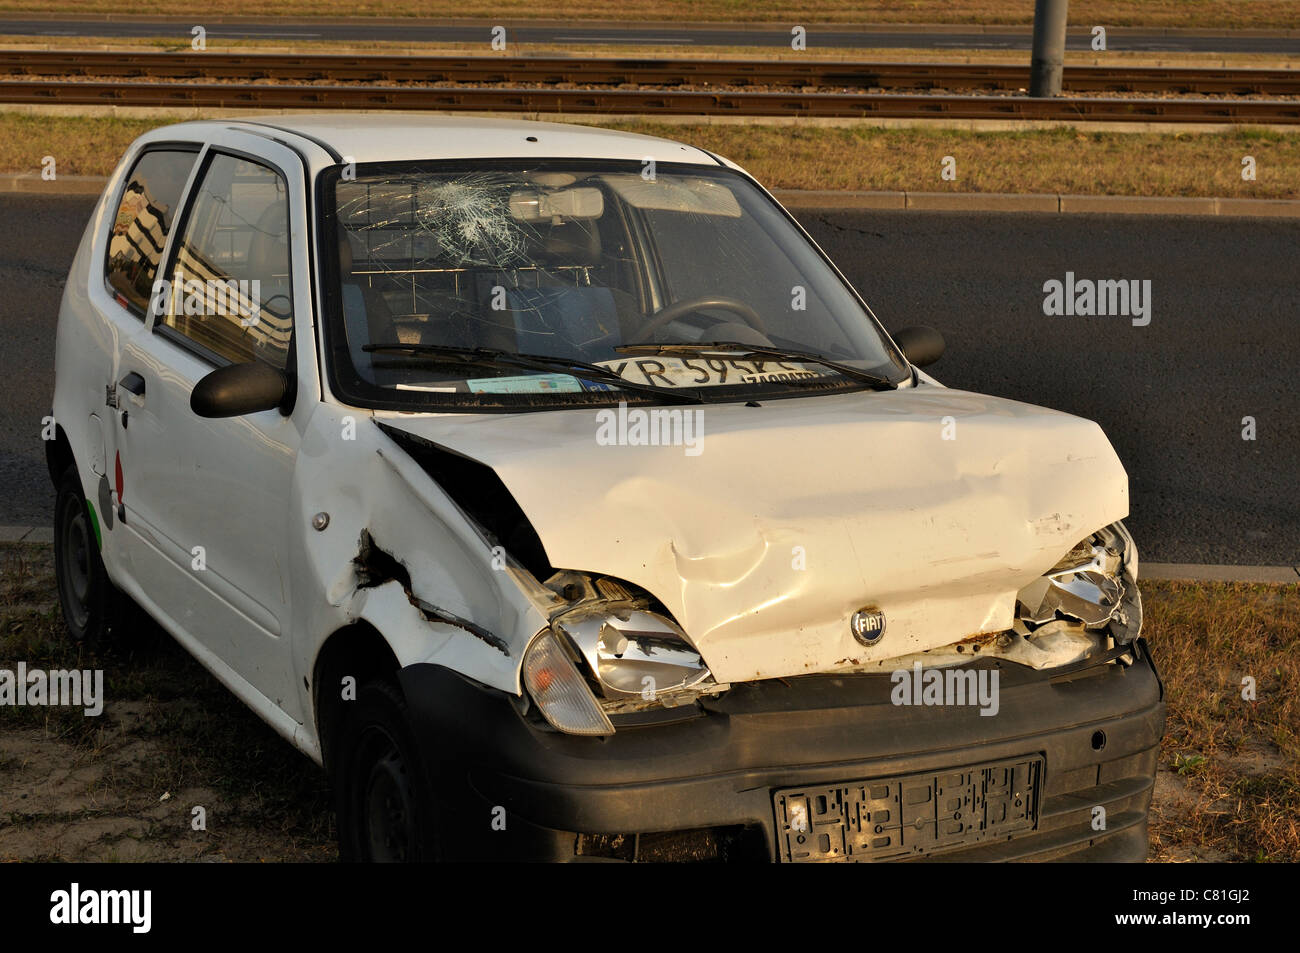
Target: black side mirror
(238,389)
(921,345)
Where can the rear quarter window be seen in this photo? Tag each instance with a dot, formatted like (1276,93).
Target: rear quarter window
(139,228)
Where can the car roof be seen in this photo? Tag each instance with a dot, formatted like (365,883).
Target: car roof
(379,137)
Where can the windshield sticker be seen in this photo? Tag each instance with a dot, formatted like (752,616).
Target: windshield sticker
(529,384)
(665,371)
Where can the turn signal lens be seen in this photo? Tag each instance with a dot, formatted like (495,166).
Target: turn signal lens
(560,691)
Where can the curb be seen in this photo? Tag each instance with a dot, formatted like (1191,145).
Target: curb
(32,184)
(1164,572)
(1189,572)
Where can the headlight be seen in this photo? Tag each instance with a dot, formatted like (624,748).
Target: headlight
(560,691)
(638,659)
(1094,583)
(1082,607)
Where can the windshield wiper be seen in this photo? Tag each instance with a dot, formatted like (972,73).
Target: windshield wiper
(735,349)
(491,357)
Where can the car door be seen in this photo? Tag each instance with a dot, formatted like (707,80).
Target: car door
(136,225)
(210,498)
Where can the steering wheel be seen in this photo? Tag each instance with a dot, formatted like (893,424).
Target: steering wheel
(681,308)
(410,328)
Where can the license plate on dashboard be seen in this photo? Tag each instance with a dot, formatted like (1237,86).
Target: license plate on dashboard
(710,371)
(908,816)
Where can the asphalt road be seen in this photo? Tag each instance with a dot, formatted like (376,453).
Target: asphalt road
(421,31)
(1223,343)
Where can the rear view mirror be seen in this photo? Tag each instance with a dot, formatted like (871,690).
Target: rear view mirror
(922,346)
(238,389)
(560,203)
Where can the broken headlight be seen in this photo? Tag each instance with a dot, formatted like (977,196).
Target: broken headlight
(559,690)
(637,659)
(1087,599)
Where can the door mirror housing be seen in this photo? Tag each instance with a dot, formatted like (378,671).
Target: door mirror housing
(239,389)
(922,346)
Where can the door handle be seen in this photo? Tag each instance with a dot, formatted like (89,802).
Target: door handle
(134,383)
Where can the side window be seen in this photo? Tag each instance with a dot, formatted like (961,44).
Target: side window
(144,217)
(230,289)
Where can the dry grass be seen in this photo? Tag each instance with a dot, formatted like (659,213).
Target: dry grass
(857,157)
(81,145)
(1234,763)
(1062,160)
(78,788)
(1164,13)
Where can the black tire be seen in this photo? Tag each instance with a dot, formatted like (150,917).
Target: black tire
(383,797)
(92,606)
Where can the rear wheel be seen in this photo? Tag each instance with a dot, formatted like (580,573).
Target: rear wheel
(92,606)
(385,805)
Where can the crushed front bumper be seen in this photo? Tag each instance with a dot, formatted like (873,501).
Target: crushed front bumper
(704,788)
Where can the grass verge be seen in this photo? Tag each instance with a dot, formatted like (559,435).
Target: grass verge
(1230,762)
(1053,160)
(1230,14)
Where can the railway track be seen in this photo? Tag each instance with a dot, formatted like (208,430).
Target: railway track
(680,87)
(342,68)
(624,101)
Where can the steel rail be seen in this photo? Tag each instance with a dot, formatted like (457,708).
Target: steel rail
(345,68)
(649,102)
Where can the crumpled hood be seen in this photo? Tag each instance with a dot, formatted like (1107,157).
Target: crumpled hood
(795,514)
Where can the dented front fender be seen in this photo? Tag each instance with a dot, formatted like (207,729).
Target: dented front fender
(397,553)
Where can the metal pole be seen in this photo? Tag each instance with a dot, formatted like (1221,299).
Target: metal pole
(1049,47)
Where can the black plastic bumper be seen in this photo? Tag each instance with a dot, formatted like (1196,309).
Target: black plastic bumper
(703,788)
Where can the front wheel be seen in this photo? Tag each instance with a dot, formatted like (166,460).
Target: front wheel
(385,805)
(92,606)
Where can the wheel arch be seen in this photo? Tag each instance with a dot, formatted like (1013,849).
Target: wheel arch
(58,454)
(358,650)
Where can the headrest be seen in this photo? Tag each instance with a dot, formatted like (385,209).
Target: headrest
(272,229)
(569,243)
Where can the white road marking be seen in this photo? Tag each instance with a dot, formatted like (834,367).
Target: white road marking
(624,38)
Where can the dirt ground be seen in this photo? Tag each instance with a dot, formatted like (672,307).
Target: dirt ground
(124,786)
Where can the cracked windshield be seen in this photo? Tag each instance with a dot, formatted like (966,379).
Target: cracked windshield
(517,284)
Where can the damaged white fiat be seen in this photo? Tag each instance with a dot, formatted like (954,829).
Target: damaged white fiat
(552,489)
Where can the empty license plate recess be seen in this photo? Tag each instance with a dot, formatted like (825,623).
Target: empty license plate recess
(917,814)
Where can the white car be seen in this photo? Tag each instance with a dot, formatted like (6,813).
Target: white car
(554,491)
